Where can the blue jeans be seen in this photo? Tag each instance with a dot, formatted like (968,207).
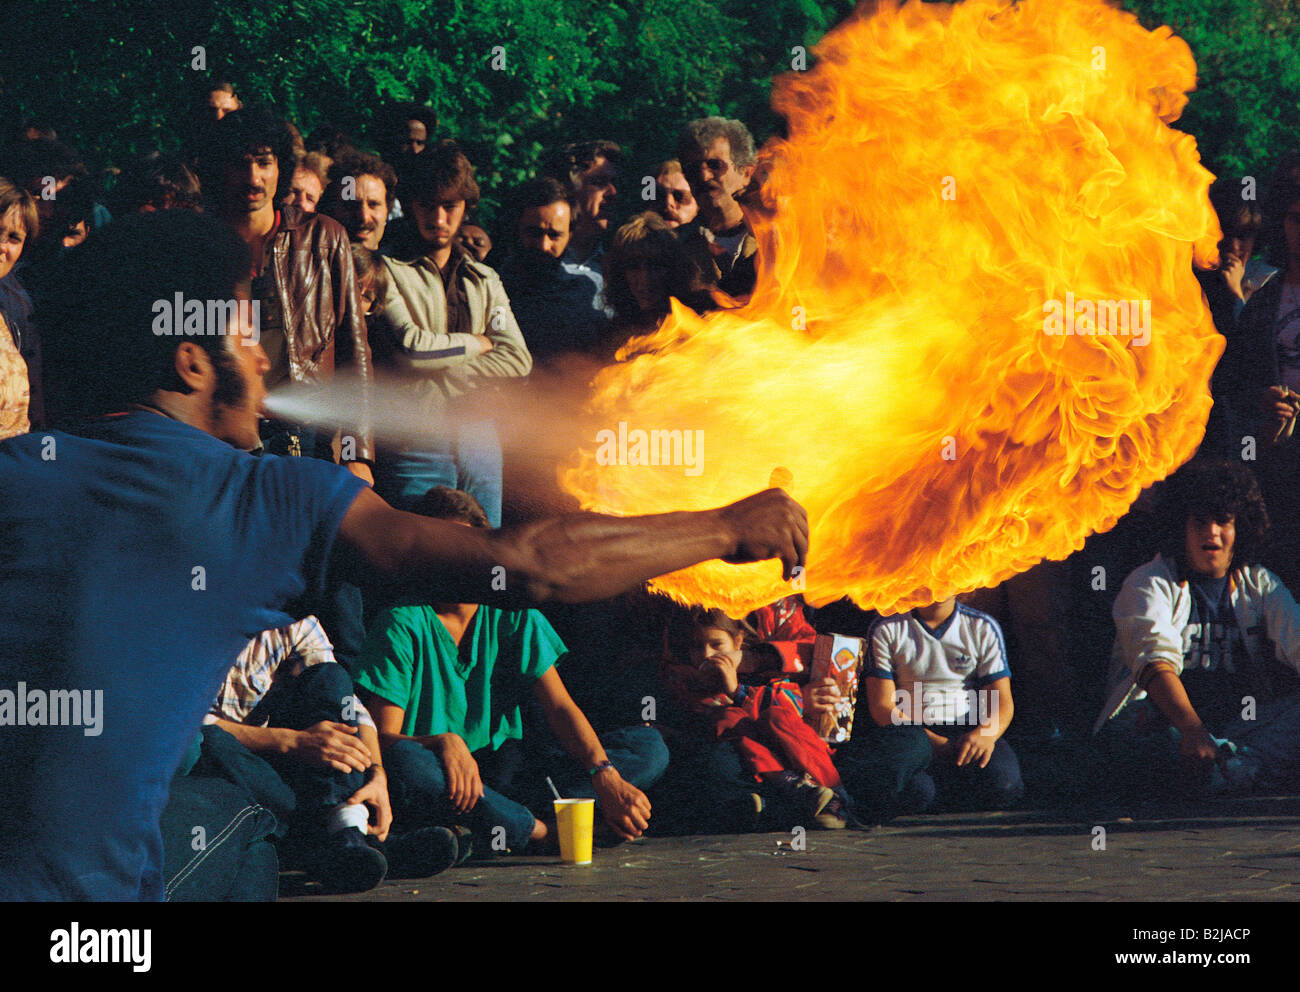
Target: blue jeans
(998,785)
(520,769)
(1142,744)
(300,795)
(320,693)
(471,463)
(514,782)
(879,766)
(216,844)
(417,789)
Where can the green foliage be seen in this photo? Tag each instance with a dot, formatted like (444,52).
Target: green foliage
(1245,112)
(115,76)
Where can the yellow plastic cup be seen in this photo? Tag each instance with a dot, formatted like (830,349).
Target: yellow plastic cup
(574,820)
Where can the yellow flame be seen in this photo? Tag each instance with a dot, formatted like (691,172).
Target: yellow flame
(950,171)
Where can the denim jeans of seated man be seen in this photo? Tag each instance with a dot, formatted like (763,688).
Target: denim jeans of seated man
(320,693)
(514,783)
(299,794)
(470,462)
(1142,751)
(520,769)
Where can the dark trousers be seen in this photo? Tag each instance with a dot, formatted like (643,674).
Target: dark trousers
(320,693)
(339,608)
(712,780)
(878,766)
(216,843)
(519,769)
(299,795)
(998,785)
(514,783)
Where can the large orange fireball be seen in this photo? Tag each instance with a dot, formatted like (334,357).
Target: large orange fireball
(976,335)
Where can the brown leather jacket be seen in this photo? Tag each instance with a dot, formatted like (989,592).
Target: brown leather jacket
(324,326)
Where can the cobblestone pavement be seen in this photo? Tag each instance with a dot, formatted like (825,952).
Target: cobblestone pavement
(1245,851)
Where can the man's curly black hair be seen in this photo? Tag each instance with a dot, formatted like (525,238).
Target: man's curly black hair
(245,132)
(1210,489)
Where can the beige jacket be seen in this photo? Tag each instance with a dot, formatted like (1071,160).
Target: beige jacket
(409,336)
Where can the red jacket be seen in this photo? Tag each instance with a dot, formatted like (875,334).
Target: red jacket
(783,627)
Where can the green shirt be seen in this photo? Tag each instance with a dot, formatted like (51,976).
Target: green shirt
(410,659)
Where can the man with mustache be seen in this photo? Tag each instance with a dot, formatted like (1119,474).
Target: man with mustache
(359,196)
(673,198)
(311,323)
(556,301)
(718,159)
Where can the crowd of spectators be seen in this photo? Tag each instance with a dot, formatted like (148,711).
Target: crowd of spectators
(374,727)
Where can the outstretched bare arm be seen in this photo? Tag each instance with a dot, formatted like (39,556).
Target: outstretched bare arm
(572,559)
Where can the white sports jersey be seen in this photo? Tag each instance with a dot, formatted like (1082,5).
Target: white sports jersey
(938,674)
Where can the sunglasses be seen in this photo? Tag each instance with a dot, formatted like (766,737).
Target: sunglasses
(677,195)
(718,166)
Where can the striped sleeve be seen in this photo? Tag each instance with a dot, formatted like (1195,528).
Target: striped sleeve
(992,663)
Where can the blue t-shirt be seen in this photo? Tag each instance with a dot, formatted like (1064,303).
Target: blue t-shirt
(137,558)
(1216,665)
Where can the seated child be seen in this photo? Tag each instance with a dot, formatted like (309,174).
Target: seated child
(721,670)
(448,685)
(944,667)
(1207,646)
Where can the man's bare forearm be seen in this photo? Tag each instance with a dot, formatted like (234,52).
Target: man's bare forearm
(567,722)
(1167,692)
(575,558)
(370,738)
(572,729)
(584,557)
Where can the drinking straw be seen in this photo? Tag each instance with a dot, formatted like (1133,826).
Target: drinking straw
(553,788)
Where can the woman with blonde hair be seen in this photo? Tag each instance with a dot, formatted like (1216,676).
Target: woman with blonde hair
(18,224)
(646,268)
